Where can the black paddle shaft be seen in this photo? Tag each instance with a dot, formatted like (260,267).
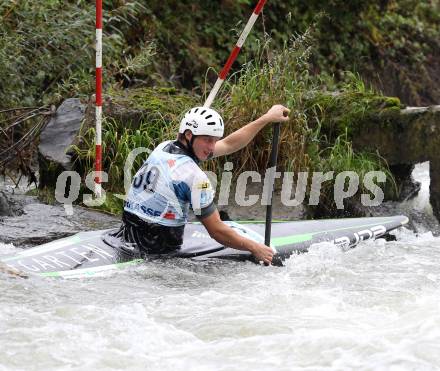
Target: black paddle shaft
(272,163)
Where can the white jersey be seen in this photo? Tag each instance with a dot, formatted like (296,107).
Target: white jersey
(167,185)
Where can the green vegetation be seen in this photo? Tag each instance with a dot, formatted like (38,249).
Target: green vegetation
(151,116)
(350,107)
(45,195)
(340,157)
(274,77)
(46,47)
(47,53)
(161,58)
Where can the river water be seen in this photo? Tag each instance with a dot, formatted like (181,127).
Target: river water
(376,307)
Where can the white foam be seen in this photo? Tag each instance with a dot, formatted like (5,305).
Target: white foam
(421,201)
(372,307)
(7,249)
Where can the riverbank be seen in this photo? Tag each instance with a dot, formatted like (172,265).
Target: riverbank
(34,222)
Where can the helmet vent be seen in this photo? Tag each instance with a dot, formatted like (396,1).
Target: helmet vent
(210,123)
(203,112)
(208,117)
(195,111)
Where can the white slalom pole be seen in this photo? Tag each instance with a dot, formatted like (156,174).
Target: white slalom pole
(224,72)
(98,104)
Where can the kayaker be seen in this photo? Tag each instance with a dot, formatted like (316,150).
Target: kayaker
(171,181)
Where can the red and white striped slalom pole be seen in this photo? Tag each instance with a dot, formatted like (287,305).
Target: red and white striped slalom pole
(98,106)
(233,56)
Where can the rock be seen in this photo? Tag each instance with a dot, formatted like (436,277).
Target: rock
(4,205)
(405,139)
(38,223)
(8,207)
(139,105)
(55,140)
(434,187)
(408,188)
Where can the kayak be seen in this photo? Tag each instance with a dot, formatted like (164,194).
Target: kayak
(94,253)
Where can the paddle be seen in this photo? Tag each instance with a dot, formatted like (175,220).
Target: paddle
(272,163)
(276,260)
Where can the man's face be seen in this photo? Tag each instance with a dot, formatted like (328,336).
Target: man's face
(203,146)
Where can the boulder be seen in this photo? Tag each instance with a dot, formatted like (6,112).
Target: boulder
(8,207)
(56,138)
(404,139)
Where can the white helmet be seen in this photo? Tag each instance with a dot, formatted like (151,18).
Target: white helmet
(202,121)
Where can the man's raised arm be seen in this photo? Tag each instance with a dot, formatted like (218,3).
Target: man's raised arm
(242,137)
